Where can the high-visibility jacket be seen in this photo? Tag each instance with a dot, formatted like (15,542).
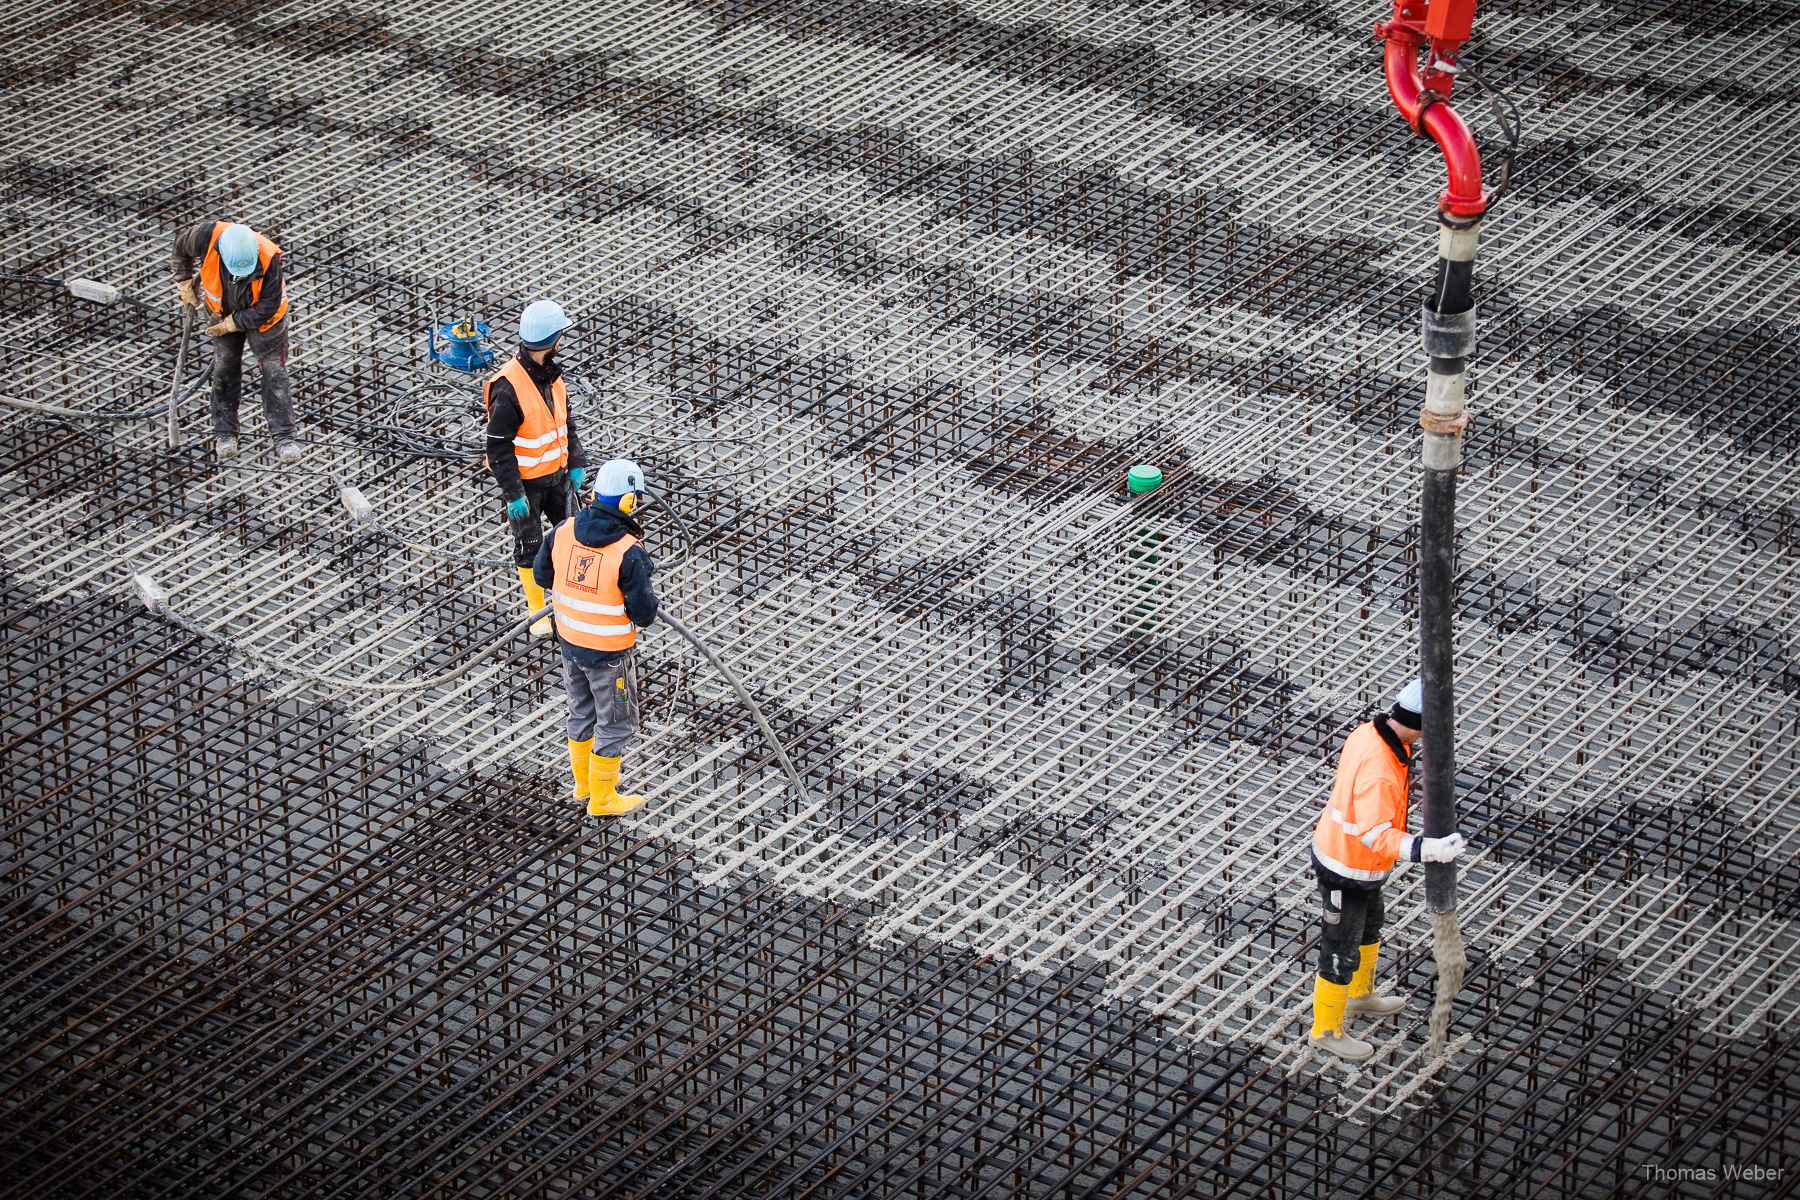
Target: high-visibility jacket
(1363,829)
(212,281)
(590,608)
(542,443)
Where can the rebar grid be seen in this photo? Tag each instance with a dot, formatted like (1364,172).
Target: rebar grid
(887,298)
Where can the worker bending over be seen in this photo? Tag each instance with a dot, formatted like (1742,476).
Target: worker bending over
(532,450)
(240,284)
(599,578)
(1359,838)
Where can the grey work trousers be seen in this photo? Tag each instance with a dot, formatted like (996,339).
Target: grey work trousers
(603,702)
(270,350)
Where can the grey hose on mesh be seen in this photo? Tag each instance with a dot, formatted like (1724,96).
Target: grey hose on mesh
(55,410)
(378,527)
(713,657)
(158,603)
(363,513)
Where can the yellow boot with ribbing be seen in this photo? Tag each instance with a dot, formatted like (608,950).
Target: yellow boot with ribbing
(534,596)
(1328,1022)
(603,779)
(579,754)
(1362,1000)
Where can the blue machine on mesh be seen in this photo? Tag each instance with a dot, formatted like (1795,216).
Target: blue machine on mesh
(461,344)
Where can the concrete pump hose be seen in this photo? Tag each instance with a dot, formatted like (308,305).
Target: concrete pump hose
(713,657)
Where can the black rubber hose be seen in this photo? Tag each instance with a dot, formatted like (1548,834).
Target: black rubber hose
(718,663)
(1452,294)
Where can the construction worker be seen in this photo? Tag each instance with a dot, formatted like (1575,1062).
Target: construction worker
(1360,836)
(240,284)
(532,450)
(599,578)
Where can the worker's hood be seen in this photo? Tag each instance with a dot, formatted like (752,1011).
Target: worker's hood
(601,524)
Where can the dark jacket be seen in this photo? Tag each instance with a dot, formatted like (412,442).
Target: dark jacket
(1330,879)
(505,417)
(596,526)
(184,261)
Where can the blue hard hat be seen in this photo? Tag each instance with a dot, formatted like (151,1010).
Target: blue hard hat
(238,250)
(541,323)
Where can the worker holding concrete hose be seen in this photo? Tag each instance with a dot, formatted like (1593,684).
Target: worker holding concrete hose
(1360,836)
(532,448)
(235,273)
(599,579)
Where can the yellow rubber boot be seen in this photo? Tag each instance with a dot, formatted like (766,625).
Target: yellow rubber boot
(1362,1000)
(1328,1022)
(534,596)
(579,754)
(603,778)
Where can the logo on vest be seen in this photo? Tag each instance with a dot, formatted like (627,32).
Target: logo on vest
(583,567)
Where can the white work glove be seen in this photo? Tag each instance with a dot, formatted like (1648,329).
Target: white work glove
(228,325)
(1444,849)
(184,288)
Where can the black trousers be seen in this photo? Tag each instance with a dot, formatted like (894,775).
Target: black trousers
(270,350)
(547,499)
(1351,920)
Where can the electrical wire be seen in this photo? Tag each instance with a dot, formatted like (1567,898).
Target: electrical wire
(47,281)
(1513,131)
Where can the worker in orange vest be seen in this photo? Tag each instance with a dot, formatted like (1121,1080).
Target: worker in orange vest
(599,578)
(1360,836)
(532,449)
(239,281)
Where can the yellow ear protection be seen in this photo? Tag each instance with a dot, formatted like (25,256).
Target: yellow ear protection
(628,503)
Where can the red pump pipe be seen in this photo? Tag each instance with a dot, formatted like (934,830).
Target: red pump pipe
(1464,197)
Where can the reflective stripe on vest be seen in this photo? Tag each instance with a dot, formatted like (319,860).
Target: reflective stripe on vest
(212,275)
(1348,872)
(541,445)
(1345,837)
(590,608)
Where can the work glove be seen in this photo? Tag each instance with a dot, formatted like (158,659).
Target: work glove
(185,289)
(577,477)
(518,509)
(1441,850)
(228,325)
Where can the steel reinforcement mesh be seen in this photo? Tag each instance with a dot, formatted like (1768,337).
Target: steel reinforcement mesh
(248,954)
(887,297)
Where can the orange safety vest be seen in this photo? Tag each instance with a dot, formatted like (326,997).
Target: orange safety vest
(590,608)
(212,279)
(1363,828)
(542,443)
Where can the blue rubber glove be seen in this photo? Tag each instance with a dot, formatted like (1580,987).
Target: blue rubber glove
(515,509)
(577,477)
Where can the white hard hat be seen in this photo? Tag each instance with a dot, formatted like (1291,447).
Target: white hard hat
(1412,696)
(617,477)
(541,323)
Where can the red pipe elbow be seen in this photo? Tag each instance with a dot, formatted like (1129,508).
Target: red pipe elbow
(1464,196)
